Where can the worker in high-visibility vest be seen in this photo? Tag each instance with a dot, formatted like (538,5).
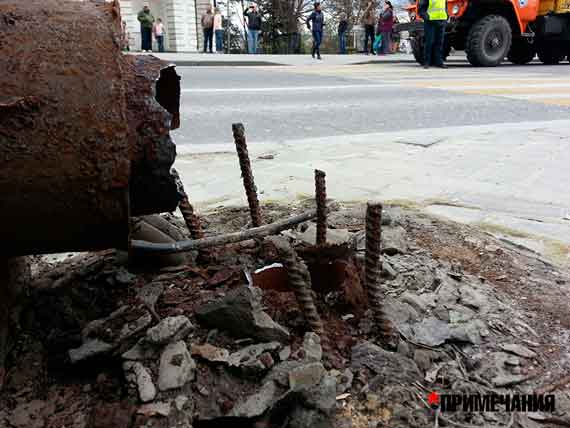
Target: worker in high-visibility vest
(434,14)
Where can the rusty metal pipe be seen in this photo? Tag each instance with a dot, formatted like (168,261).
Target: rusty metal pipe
(84,142)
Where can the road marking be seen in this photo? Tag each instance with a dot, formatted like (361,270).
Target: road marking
(540,96)
(481,87)
(553,101)
(518,90)
(550,90)
(286,88)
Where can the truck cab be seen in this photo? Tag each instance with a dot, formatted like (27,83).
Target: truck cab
(491,30)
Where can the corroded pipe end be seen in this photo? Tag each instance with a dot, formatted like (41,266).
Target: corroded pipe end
(87,150)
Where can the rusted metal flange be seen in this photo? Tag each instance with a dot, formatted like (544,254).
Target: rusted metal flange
(84,144)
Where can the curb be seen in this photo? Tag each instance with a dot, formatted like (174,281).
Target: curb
(214,63)
(183,63)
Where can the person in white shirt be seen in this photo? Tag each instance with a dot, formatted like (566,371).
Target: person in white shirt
(159,34)
(218,31)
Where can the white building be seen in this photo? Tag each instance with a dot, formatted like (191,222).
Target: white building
(181,20)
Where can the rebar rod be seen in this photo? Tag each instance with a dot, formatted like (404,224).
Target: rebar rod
(373,270)
(247,175)
(321,198)
(300,282)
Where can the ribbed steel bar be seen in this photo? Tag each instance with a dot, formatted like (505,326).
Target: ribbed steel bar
(247,175)
(373,270)
(321,197)
(300,282)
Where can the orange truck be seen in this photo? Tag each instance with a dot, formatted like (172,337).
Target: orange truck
(491,30)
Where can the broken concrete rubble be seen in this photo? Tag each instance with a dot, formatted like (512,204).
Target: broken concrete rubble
(176,367)
(519,350)
(104,335)
(308,235)
(223,378)
(155,409)
(137,374)
(141,351)
(171,329)
(388,366)
(240,314)
(210,353)
(311,348)
(90,349)
(306,376)
(254,359)
(393,241)
(258,403)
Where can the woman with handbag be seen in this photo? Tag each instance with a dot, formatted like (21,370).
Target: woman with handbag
(385,28)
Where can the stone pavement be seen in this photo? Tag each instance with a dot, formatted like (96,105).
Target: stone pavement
(492,176)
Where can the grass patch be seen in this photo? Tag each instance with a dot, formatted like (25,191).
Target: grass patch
(503,230)
(558,251)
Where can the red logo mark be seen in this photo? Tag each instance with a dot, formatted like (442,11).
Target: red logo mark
(433,399)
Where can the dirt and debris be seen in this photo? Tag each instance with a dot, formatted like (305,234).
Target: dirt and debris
(228,345)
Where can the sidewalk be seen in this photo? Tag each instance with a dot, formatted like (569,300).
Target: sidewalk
(478,175)
(200,59)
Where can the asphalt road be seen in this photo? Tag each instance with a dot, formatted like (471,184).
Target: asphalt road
(291,103)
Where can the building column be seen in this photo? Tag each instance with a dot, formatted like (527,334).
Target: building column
(181,17)
(129,15)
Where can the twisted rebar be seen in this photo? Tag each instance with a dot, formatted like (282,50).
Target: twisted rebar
(300,282)
(373,270)
(247,175)
(192,220)
(321,197)
(186,209)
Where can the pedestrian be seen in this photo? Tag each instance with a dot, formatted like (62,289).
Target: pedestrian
(434,14)
(147,20)
(125,36)
(208,29)
(253,28)
(385,28)
(159,34)
(342,29)
(218,30)
(318,23)
(368,20)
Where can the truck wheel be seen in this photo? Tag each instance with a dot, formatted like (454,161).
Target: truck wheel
(489,41)
(521,52)
(418,48)
(549,55)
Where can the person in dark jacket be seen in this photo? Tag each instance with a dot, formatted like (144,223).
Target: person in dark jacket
(385,28)
(253,28)
(342,29)
(434,14)
(208,29)
(318,23)
(147,21)
(368,20)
